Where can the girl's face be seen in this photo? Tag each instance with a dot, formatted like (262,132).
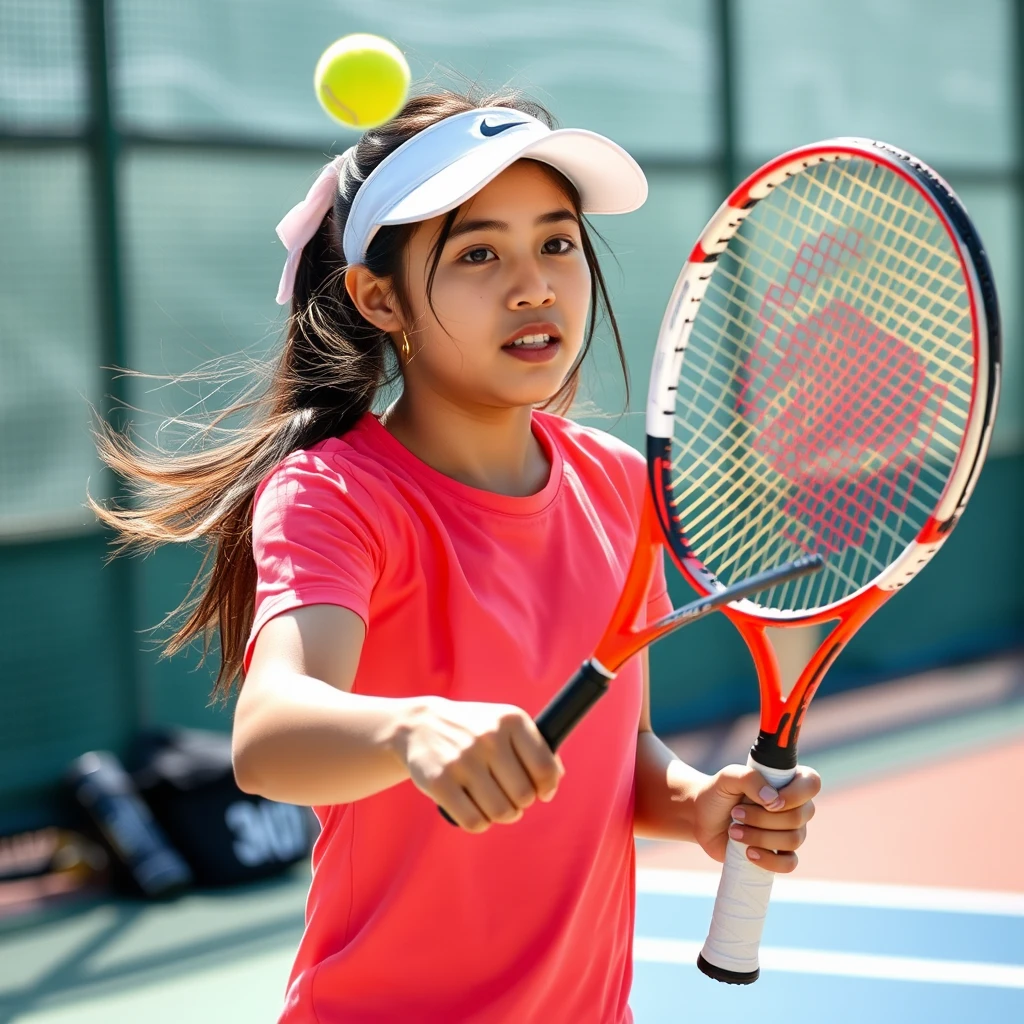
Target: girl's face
(512,268)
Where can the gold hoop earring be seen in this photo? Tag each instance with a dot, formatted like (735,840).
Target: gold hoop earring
(405,346)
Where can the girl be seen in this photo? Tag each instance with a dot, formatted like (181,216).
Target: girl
(401,591)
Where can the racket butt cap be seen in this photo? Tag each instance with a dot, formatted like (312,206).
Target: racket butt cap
(727,977)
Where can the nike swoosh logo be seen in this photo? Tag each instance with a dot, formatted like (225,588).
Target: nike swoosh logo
(496,129)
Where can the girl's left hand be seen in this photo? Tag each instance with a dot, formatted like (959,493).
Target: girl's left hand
(771,825)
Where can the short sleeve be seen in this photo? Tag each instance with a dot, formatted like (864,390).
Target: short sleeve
(314,540)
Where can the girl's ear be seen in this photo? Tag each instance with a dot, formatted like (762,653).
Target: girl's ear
(373,297)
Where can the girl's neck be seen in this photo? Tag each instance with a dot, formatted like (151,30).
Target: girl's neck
(493,450)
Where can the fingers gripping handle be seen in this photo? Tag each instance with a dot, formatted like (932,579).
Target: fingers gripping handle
(730,952)
(568,707)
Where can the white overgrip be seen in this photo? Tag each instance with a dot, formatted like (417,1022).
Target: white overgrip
(742,901)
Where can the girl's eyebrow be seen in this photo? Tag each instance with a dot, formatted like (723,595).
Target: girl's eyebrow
(552,217)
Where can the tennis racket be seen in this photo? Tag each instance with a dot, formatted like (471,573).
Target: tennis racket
(825,381)
(622,638)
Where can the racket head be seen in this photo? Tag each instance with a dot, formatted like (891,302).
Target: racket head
(826,379)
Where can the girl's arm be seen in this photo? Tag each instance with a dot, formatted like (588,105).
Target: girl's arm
(300,736)
(666,787)
(675,801)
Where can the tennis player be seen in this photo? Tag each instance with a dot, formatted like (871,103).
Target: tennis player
(401,591)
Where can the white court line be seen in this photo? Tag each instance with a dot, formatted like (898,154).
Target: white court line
(849,965)
(843,894)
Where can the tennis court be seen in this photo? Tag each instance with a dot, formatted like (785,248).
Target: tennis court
(894,953)
(930,926)
(148,149)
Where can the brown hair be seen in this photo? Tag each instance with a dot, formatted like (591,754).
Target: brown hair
(328,374)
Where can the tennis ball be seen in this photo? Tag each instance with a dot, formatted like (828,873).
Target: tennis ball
(361,80)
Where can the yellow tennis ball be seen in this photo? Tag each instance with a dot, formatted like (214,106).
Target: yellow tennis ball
(361,80)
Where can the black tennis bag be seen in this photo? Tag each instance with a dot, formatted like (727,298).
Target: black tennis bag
(226,836)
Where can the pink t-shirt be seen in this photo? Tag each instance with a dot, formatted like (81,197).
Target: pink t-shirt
(477,596)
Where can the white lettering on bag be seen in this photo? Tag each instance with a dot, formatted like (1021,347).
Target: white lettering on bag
(265,831)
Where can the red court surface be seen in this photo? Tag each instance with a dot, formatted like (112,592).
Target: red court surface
(951,824)
(940,808)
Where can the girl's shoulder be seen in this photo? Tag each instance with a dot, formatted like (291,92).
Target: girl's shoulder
(335,471)
(579,442)
(612,472)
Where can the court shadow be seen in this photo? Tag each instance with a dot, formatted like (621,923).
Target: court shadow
(74,973)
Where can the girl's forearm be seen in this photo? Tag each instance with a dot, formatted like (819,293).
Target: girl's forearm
(304,742)
(665,788)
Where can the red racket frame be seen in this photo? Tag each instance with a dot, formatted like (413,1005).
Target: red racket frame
(730,953)
(781,716)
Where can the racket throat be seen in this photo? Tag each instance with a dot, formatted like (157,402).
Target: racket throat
(770,752)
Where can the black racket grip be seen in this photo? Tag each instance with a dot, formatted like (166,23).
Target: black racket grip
(568,707)
(571,703)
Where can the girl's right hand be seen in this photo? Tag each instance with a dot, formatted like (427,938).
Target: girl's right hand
(483,763)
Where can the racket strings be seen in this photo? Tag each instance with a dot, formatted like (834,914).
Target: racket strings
(955,370)
(912,289)
(826,384)
(921,293)
(846,460)
(740,457)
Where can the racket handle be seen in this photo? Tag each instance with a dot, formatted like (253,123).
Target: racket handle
(567,707)
(572,702)
(730,951)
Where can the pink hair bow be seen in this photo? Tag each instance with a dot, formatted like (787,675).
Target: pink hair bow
(300,223)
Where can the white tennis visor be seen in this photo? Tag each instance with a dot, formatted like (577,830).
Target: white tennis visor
(449,162)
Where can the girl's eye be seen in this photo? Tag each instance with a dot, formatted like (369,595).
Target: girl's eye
(478,256)
(559,246)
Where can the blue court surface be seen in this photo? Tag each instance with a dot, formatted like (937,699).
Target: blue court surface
(832,953)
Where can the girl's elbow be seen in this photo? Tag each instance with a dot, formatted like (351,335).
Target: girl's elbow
(241,764)
(245,755)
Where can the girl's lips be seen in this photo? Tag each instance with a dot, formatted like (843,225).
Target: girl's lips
(537,327)
(534,354)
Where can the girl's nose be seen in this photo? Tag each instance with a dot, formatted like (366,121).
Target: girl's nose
(532,289)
